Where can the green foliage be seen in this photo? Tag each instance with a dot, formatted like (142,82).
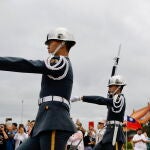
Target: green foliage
(129,146)
(146,128)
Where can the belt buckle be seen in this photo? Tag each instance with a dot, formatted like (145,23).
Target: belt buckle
(116,122)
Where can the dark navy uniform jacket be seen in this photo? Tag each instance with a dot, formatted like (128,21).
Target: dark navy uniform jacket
(111,115)
(56,116)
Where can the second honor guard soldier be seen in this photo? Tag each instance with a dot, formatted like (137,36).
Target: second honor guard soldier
(113,138)
(53,125)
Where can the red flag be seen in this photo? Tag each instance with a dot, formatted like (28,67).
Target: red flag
(132,123)
(91,124)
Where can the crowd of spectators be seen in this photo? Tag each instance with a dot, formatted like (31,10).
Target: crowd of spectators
(13,134)
(85,139)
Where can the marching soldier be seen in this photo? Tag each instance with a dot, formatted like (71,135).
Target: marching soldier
(113,137)
(53,125)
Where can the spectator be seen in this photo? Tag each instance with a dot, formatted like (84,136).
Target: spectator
(20,136)
(22,125)
(14,127)
(27,126)
(10,143)
(31,125)
(3,137)
(79,125)
(89,140)
(93,131)
(100,132)
(148,143)
(147,140)
(76,140)
(139,141)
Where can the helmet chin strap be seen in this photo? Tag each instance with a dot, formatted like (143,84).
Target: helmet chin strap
(58,48)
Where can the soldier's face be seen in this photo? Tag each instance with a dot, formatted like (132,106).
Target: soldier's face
(112,88)
(52,45)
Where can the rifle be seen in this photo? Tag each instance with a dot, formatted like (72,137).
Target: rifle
(112,74)
(114,68)
(116,62)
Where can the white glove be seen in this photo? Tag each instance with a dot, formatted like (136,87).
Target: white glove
(75,99)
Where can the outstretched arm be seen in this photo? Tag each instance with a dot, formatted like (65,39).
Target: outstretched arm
(94,99)
(16,64)
(98,100)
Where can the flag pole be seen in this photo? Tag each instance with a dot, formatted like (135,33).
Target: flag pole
(126,136)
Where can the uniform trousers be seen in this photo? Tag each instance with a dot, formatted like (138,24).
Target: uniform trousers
(108,146)
(47,140)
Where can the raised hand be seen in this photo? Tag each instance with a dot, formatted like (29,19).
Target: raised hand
(75,99)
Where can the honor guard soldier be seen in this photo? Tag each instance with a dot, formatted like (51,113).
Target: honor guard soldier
(53,125)
(113,138)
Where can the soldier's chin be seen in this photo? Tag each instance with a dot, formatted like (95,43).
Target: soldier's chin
(109,92)
(110,95)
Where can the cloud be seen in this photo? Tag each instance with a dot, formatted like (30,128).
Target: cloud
(99,27)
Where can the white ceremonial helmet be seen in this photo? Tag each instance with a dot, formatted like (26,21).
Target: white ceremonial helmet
(116,80)
(61,34)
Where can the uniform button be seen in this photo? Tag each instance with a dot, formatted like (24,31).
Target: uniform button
(46,107)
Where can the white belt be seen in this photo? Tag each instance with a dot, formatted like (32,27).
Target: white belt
(114,122)
(55,99)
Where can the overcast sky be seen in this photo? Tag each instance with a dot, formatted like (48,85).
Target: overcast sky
(99,26)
